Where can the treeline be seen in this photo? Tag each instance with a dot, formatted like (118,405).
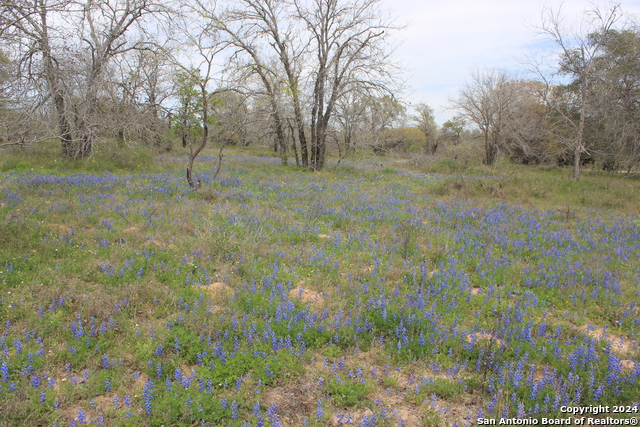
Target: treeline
(582,106)
(301,76)
(286,71)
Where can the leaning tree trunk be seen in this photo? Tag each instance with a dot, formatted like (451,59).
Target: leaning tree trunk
(203,141)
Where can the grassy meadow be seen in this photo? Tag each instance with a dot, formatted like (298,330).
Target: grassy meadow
(373,293)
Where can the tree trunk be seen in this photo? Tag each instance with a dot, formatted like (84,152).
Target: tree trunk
(301,135)
(579,144)
(293,143)
(86,131)
(489,150)
(577,154)
(64,127)
(280,143)
(203,141)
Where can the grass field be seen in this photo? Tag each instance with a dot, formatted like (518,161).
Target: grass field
(370,294)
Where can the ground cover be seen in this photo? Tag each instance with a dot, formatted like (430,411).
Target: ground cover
(364,296)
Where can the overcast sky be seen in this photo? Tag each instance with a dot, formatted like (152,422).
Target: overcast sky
(443,41)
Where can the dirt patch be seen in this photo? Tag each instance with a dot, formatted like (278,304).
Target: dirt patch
(628,365)
(61,228)
(131,230)
(324,236)
(307,296)
(476,291)
(294,401)
(619,345)
(395,403)
(484,336)
(156,242)
(217,289)
(368,268)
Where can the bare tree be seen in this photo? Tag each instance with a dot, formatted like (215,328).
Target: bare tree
(68,45)
(26,24)
(198,76)
(350,122)
(269,18)
(19,108)
(244,27)
(485,102)
(578,52)
(528,137)
(136,86)
(350,43)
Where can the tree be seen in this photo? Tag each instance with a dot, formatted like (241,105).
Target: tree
(187,124)
(526,137)
(131,105)
(268,18)
(451,130)
(380,116)
(18,108)
(349,41)
(485,102)
(245,26)
(578,53)
(64,49)
(350,114)
(196,78)
(425,121)
(615,93)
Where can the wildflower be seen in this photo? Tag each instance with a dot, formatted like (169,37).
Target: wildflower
(319,411)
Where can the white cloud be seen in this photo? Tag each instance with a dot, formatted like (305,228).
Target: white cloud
(443,41)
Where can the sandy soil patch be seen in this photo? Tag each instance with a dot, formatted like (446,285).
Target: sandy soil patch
(294,401)
(156,242)
(307,296)
(619,345)
(217,289)
(628,365)
(60,227)
(484,336)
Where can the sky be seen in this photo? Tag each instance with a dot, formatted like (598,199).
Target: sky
(444,40)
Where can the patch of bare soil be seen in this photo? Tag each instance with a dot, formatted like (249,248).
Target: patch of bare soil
(60,228)
(307,296)
(294,401)
(217,289)
(100,403)
(484,336)
(156,242)
(131,230)
(628,365)
(619,345)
